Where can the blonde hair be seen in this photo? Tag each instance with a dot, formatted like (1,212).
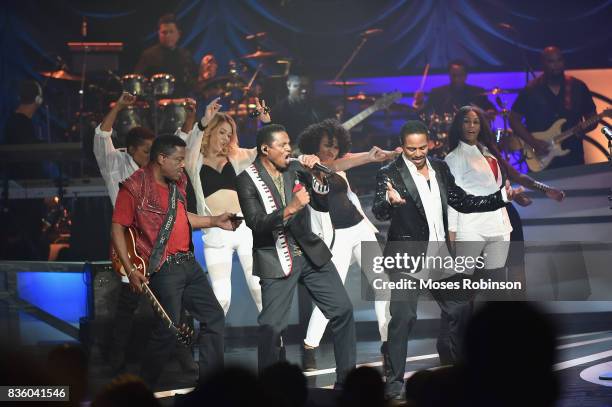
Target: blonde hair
(216,121)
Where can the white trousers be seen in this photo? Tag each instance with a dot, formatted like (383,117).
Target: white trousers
(219,247)
(493,248)
(347,248)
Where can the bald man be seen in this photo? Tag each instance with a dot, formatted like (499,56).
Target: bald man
(549,97)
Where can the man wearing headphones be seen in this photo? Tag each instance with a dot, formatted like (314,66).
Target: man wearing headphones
(19,128)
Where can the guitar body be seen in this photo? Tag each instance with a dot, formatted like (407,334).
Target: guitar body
(554,136)
(135,259)
(538,163)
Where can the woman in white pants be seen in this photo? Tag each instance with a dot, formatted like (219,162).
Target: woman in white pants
(213,163)
(475,164)
(346,223)
(479,169)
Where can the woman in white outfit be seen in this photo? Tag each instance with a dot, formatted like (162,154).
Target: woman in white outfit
(479,168)
(475,163)
(347,226)
(214,160)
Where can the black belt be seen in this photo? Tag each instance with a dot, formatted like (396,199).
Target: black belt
(179,258)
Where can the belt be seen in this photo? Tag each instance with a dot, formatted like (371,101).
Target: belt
(179,258)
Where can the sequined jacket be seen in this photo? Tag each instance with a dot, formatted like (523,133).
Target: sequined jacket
(408,221)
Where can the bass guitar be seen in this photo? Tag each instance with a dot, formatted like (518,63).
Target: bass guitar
(554,136)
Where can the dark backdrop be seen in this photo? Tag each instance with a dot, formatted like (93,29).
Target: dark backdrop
(318,34)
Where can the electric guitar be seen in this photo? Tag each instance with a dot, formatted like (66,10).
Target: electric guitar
(554,136)
(183,333)
(380,104)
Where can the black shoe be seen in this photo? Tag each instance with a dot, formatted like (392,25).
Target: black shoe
(309,362)
(184,356)
(386,360)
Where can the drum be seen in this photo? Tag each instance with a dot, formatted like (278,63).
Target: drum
(134,84)
(162,84)
(170,115)
(130,117)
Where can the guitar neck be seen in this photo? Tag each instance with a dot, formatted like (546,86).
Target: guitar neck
(156,305)
(355,120)
(579,128)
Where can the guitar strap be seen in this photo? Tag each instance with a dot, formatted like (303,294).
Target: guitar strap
(166,229)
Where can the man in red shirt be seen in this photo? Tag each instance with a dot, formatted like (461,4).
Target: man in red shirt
(174,276)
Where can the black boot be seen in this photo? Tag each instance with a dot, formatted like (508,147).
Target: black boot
(309,362)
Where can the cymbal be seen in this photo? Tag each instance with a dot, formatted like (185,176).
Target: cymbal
(259,54)
(61,74)
(345,83)
(361,97)
(495,91)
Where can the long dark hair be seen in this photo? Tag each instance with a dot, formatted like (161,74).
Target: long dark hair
(485,136)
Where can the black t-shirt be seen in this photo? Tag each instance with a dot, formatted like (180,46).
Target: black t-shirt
(541,108)
(446,99)
(19,129)
(176,62)
(342,212)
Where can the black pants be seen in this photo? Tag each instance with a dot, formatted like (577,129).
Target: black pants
(329,294)
(455,313)
(185,285)
(127,303)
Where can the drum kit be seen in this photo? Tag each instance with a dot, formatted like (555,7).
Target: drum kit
(154,107)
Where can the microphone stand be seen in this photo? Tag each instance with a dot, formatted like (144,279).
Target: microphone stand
(364,39)
(526,65)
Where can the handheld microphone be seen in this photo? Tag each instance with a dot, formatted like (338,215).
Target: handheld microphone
(605,130)
(317,166)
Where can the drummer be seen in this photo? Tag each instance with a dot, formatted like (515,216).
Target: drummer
(449,98)
(167,57)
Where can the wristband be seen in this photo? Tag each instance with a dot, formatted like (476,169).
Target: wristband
(541,186)
(200,126)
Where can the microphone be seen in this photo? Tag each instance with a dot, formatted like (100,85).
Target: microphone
(371,32)
(255,36)
(605,130)
(317,166)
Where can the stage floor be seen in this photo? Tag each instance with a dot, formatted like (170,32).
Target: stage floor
(579,355)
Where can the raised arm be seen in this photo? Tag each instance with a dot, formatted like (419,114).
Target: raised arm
(103,147)
(352,160)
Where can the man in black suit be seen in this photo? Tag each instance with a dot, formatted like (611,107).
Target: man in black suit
(273,194)
(414,193)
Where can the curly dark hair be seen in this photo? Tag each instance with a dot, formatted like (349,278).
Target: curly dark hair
(485,137)
(310,139)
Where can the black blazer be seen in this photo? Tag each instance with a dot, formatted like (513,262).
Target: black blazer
(265,259)
(408,221)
